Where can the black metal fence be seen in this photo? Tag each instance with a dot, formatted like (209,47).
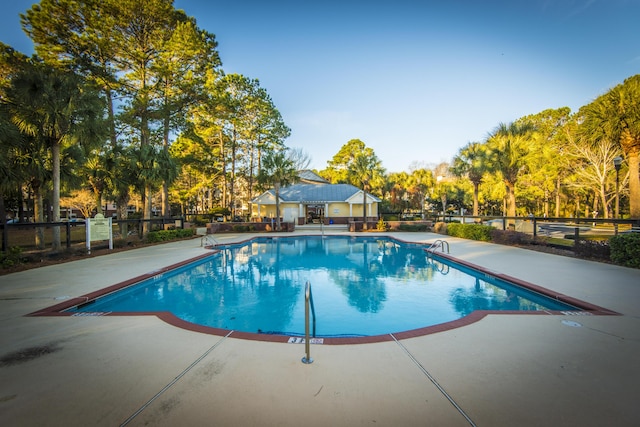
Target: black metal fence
(551,227)
(73,233)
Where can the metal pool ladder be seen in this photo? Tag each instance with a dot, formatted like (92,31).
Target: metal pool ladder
(308,305)
(438,244)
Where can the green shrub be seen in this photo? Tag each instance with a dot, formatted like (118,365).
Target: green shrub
(240,228)
(381,225)
(413,227)
(185,232)
(154,237)
(625,249)
(12,257)
(165,235)
(470,231)
(511,237)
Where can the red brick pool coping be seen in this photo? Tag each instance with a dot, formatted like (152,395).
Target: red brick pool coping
(58,310)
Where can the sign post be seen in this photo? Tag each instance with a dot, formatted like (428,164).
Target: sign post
(99,228)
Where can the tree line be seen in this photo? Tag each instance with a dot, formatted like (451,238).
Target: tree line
(553,163)
(128,98)
(124,98)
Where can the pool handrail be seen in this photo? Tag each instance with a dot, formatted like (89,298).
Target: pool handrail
(308,305)
(440,243)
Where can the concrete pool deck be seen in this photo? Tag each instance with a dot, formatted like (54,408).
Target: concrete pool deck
(503,370)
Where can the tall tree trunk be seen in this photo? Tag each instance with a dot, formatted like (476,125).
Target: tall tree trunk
(111,118)
(97,197)
(232,190)
(475,198)
(148,205)
(251,166)
(166,211)
(122,203)
(511,202)
(558,197)
(634,184)
(55,150)
(144,141)
(224,170)
(21,213)
(364,208)
(276,187)
(38,214)
(603,198)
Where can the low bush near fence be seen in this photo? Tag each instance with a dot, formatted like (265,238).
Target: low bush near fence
(413,227)
(440,227)
(12,257)
(593,249)
(511,237)
(165,235)
(625,249)
(470,231)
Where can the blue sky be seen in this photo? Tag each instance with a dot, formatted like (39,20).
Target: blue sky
(414,80)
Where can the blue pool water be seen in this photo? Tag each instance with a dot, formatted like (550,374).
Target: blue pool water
(361,286)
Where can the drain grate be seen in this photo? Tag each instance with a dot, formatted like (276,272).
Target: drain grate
(571,323)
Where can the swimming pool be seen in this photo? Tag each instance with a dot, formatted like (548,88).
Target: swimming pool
(362,286)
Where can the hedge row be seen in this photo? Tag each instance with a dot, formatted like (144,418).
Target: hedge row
(413,227)
(625,249)
(165,235)
(470,231)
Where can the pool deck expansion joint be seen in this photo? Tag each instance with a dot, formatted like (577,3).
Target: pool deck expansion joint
(434,381)
(175,380)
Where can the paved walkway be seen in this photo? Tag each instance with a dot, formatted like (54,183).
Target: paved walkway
(505,370)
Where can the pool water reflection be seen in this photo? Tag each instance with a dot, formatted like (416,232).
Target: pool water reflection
(362,286)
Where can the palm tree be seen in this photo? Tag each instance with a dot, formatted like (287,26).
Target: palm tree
(470,163)
(363,169)
(120,179)
(34,164)
(277,170)
(96,170)
(508,147)
(442,186)
(57,108)
(10,140)
(154,165)
(419,183)
(616,116)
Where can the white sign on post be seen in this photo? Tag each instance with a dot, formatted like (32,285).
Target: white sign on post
(99,228)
